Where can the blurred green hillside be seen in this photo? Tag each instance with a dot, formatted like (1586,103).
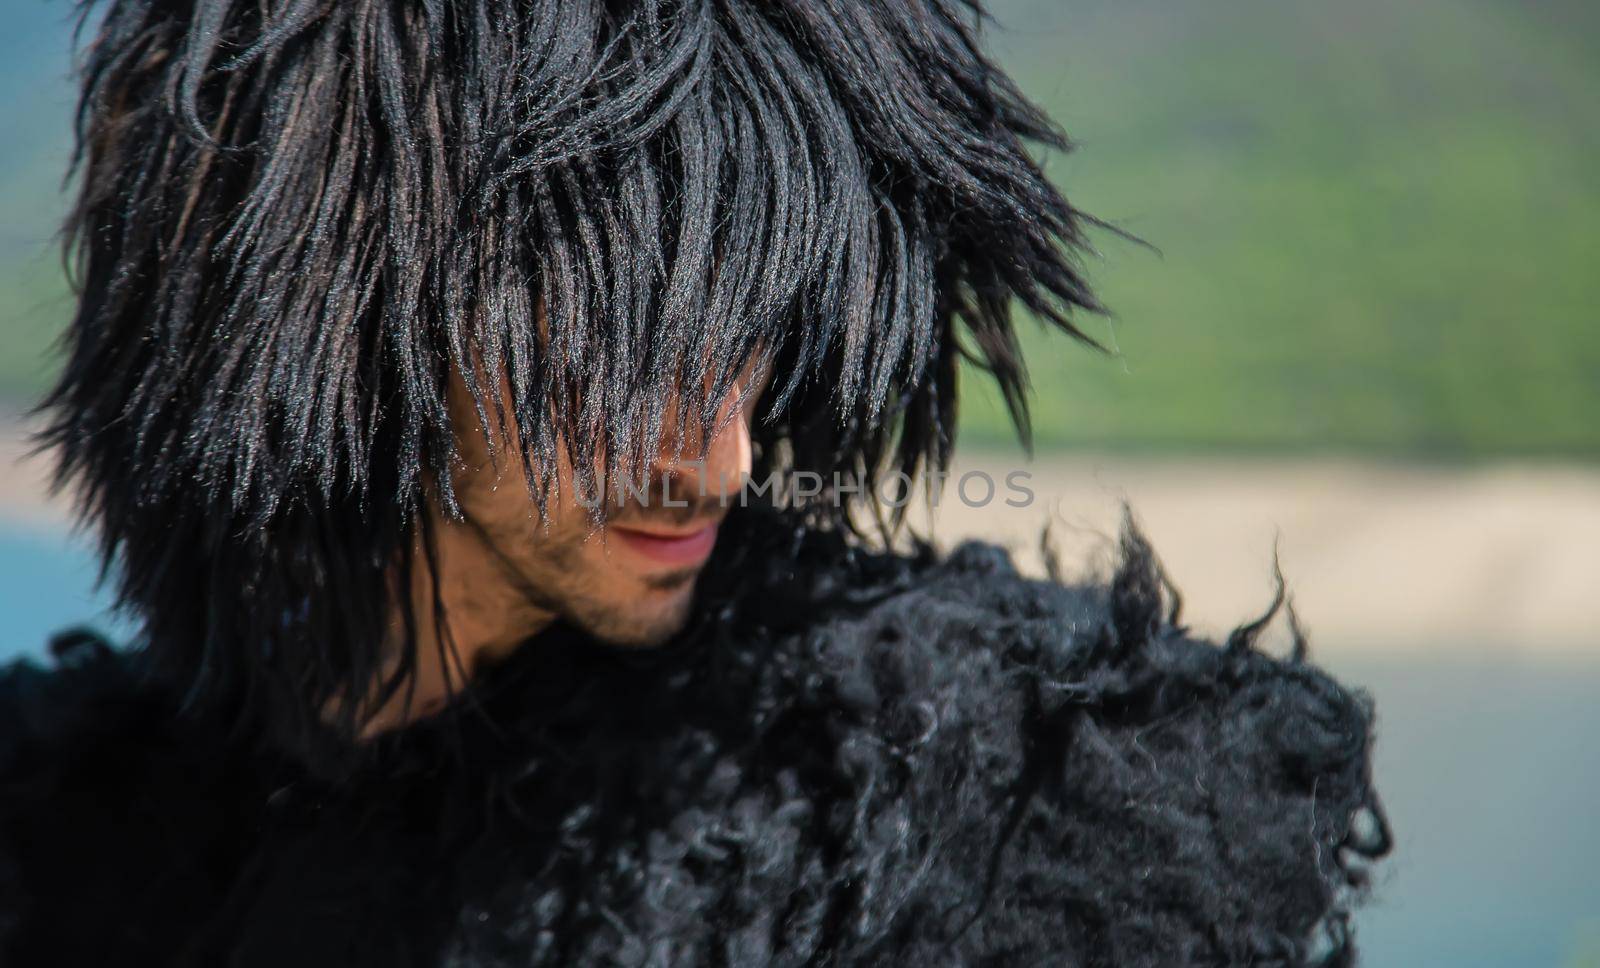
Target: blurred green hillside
(1378,223)
(35,113)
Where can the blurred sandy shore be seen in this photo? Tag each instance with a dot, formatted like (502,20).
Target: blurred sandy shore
(1378,557)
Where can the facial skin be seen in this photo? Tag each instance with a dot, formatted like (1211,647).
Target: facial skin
(503,574)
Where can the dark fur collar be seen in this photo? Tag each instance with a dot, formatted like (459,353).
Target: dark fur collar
(850,759)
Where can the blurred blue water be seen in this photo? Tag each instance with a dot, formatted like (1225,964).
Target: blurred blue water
(1489,766)
(47,583)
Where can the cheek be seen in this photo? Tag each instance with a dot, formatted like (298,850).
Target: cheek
(502,507)
(587,558)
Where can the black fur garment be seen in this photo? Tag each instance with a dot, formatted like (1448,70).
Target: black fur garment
(851,758)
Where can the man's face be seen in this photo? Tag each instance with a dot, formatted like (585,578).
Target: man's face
(630,580)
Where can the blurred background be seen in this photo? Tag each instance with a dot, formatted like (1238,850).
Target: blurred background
(1363,339)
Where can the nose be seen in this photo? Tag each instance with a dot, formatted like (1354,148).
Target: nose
(727,462)
(728,459)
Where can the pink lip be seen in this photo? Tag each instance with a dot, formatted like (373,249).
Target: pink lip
(670,547)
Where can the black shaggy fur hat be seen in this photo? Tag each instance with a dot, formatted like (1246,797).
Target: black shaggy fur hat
(298,219)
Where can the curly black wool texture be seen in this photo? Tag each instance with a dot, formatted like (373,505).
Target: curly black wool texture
(851,758)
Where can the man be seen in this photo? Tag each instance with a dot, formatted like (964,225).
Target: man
(420,353)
